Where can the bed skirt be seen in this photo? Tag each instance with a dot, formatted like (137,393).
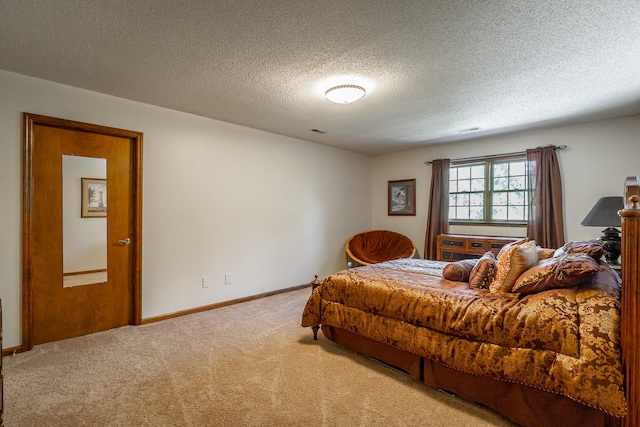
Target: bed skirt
(522,404)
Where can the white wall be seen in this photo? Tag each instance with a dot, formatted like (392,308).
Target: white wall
(599,157)
(217,198)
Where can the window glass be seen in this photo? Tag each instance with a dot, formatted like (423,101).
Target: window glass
(493,192)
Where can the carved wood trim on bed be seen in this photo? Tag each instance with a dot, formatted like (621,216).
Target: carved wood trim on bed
(630,329)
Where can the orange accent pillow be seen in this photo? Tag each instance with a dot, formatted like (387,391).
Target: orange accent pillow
(544,253)
(514,261)
(459,271)
(508,245)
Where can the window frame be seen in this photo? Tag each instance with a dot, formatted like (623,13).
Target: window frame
(488,192)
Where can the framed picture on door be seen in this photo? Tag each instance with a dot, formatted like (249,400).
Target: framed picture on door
(94,198)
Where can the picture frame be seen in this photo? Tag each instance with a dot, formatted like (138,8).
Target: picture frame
(402,197)
(94,198)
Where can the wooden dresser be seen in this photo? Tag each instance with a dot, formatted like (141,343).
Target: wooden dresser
(453,247)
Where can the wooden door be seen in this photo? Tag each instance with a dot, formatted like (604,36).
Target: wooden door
(52,311)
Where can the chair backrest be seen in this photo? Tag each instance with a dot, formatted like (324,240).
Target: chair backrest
(374,246)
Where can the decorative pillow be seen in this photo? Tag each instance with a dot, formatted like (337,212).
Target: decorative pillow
(459,271)
(502,268)
(509,245)
(593,248)
(511,264)
(544,253)
(482,273)
(557,272)
(564,250)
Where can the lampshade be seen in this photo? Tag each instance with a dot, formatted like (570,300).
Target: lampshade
(345,94)
(605,212)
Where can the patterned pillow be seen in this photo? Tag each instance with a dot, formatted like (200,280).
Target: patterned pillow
(544,253)
(558,272)
(514,261)
(508,245)
(459,271)
(482,273)
(593,248)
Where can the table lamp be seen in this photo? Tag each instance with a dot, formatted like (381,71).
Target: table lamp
(605,214)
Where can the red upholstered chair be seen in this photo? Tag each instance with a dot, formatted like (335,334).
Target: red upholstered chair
(374,246)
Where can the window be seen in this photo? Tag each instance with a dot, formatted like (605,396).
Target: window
(489,192)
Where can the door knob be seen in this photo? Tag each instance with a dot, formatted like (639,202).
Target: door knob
(126,241)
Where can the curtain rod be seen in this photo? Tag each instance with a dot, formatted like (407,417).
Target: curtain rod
(493,156)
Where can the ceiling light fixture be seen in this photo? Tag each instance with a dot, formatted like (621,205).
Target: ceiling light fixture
(344,94)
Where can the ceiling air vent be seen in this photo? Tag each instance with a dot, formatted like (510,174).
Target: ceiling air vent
(468,130)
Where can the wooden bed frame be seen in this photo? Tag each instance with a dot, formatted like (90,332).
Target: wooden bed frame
(523,404)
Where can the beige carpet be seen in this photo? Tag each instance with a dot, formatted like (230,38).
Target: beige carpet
(249,364)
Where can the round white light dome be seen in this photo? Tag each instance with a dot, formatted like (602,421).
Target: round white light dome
(344,94)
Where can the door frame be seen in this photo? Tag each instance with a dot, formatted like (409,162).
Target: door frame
(29,122)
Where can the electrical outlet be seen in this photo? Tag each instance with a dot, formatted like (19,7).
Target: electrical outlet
(205,282)
(227,279)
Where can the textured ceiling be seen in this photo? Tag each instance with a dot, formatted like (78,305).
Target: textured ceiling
(431,68)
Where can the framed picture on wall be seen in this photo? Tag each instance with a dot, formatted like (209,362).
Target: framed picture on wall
(94,198)
(402,197)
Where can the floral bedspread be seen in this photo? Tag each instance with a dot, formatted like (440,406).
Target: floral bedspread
(565,341)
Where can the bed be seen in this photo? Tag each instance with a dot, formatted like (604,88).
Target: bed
(558,354)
